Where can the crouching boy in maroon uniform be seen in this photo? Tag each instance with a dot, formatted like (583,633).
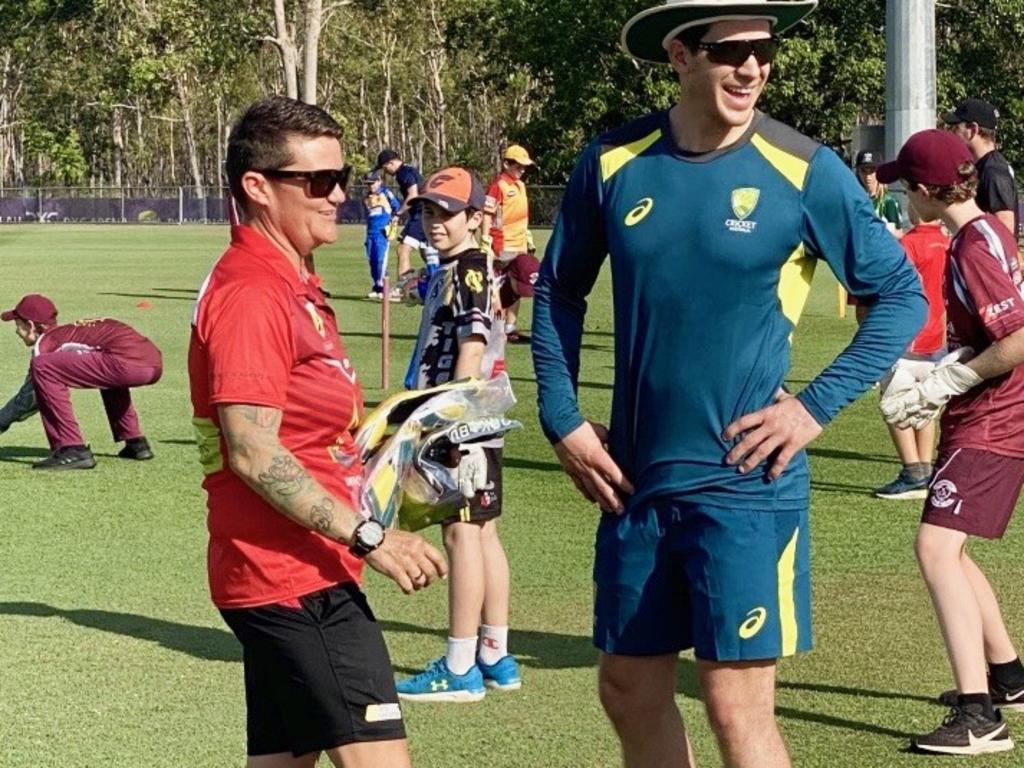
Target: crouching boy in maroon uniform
(980,466)
(101,354)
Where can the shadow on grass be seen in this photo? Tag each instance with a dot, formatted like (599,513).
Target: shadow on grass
(21,454)
(147,296)
(581,385)
(177,442)
(829,487)
(541,466)
(354,334)
(831,453)
(190,291)
(686,684)
(206,643)
(539,650)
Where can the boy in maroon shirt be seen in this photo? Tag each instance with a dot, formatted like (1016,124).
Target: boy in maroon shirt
(980,466)
(102,354)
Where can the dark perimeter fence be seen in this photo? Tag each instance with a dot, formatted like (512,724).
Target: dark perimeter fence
(181,205)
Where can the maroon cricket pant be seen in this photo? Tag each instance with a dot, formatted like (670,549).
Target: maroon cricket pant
(54,373)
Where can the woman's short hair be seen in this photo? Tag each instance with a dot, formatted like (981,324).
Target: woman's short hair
(259,140)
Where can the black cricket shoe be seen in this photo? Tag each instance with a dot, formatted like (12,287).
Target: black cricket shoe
(517,337)
(136,448)
(966,731)
(68,457)
(1002,696)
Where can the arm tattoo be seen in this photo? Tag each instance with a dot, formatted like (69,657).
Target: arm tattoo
(321,515)
(285,476)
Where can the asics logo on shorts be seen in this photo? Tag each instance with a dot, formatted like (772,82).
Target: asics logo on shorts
(754,623)
(639,212)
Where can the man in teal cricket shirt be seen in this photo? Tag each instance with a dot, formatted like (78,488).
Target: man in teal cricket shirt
(714,216)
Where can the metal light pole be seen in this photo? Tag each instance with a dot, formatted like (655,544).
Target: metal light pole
(909,70)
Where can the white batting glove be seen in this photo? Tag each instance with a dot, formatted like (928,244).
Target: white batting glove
(917,406)
(471,473)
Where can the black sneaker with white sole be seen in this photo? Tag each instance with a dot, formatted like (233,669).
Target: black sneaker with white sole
(68,457)
(966,731)
(1003,697)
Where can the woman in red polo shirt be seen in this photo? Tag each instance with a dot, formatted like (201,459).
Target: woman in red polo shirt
(275,402)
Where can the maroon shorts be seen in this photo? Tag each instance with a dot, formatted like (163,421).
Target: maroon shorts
(973,491)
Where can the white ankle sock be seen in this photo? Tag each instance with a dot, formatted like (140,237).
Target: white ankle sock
(461,654)
(493,644)
(509,328)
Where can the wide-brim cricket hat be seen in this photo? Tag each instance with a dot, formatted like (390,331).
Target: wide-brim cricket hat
(34,308)
(454,189)
(646,36)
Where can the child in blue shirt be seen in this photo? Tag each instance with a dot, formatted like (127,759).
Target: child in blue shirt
(381,207)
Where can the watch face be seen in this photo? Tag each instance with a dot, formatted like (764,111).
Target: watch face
(371,533)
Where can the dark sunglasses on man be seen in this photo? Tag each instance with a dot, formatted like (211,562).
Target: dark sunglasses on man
(735,52)
(318,183)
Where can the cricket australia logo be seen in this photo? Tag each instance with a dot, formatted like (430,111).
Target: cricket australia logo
(744,201)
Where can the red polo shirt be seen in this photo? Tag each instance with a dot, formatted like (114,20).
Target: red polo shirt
(263,336)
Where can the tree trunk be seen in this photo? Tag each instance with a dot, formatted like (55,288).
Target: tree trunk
(117,131)
(190,135)
(311,49)
(285,42)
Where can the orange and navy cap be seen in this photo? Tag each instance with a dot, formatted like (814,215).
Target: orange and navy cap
(33,308)
(454,189)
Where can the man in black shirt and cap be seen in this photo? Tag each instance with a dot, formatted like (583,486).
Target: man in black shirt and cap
(974,121)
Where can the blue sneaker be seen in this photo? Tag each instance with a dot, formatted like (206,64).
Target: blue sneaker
(904,487)
(502,675)
(437,683)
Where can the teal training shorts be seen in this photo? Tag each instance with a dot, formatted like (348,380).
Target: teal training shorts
(734,585)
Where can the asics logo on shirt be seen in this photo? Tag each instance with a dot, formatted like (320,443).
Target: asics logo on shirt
(754,623)
(744,201)
(639,212)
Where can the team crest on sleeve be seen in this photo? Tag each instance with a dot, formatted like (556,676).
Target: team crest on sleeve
(475,280)
(744,201)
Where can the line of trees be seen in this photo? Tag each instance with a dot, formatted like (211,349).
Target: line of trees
(142,93)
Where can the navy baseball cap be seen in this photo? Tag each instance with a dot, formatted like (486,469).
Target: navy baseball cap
(34,308)
(973,111)
(385,157)
(867,157)
(931,157)
(371,177)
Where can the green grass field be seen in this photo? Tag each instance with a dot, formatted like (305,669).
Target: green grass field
(112,655)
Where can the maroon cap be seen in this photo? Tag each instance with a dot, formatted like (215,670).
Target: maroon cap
(34,308)
(454,189)
(931,157)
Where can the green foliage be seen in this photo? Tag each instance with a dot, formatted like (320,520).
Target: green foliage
(57,155)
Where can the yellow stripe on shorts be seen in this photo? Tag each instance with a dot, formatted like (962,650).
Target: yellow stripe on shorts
(787,598)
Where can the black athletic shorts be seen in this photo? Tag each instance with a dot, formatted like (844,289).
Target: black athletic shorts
(317,675)
(486,505)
